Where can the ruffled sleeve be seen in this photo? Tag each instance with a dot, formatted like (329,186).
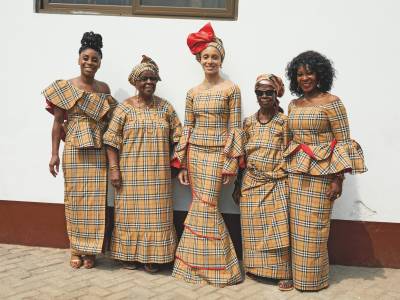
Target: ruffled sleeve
(233,149)
(113,136)
(347,154)
(179,157)
(61,94)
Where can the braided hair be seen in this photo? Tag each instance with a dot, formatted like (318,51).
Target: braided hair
(93,41)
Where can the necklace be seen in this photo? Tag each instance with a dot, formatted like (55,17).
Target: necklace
(141,104)
(259,121)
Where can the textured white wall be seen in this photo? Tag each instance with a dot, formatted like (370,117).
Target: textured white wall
(361,37)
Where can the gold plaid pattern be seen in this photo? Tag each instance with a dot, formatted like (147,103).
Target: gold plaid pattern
(310,213)
(321,142)
(143,216)
(213,118)
(87,113)
(321,146)
(264,201)
(205,252)
(84,163)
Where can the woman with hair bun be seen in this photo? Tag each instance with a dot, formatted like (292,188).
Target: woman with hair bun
(317,158)
(142,133)
(208,153)
(81,107)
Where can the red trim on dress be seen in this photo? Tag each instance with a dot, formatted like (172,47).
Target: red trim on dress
(200,235)
(308,150)
(176,163)
(200,268)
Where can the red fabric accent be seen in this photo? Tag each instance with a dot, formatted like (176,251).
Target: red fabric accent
(242,162)
(229,174)
(176,163)
(197,267)
(200,235)
(333,144)
(198,41)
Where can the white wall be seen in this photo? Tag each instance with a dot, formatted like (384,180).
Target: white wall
(360,36)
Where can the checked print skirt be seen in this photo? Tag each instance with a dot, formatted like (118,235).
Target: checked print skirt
(205,252)
(85,196)
(310,213)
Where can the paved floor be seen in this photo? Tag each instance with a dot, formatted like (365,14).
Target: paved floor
(44,273)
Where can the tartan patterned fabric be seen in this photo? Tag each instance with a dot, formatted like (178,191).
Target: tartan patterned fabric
(143,216)
(85,196)
(322,131)
(321,146)
(84,162)
(205,252)
(87,113)
(264,208)
(310,213)
(213,118)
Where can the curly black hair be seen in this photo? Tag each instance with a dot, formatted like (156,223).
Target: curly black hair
(317,63)
(93,41)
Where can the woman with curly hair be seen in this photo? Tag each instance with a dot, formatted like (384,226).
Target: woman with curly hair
(317,158)
(212,141)
(85,104)
(142,133)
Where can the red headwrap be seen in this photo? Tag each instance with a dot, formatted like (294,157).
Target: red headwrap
(199,41)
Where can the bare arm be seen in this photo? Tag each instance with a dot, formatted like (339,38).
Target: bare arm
(113,160)
(54,164)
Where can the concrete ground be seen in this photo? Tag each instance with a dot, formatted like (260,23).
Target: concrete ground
(44,273)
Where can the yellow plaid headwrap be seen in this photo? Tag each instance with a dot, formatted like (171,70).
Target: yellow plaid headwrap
(147,64)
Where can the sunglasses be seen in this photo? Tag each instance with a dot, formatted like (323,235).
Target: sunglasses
(268,93)
(146,78)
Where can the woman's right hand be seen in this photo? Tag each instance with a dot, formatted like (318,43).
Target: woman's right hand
(183,177)
(115,178)
(54,165)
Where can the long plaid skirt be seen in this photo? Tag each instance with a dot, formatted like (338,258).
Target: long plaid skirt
(310,213)
(264,219)
(205,252)
(85,196)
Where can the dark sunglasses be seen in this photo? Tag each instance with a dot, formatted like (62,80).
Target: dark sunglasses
(145,78)
(268,93)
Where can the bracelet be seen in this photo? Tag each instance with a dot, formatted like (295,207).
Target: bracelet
(114,167)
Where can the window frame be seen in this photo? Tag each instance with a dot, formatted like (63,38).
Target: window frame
(136,9)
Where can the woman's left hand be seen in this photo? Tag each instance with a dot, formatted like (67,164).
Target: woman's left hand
(226,179)
(335,189)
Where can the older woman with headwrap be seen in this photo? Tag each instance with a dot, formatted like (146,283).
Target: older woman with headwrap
(208,153)
(141,135)
(264,188)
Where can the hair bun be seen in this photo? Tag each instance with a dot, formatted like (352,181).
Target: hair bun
(92,40)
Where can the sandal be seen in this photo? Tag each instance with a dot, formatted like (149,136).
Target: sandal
(129,265)
(88,261)
(151,268)
(285,285)
(75,261)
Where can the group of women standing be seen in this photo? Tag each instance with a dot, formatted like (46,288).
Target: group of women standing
(290,168)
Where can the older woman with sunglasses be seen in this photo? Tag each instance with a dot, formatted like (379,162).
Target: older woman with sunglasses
(141,135)
(264,190)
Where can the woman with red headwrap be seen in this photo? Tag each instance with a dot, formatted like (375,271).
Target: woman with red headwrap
(264,191)
(208,152)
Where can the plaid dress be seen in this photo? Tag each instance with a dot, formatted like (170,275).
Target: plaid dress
(144,229)
(84,162)
(321,147)
(264,211)
(210,146)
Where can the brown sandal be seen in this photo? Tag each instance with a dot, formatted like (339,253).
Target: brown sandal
(151,268)
(88,261)
(129,265)
(285,285)
(75,261)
